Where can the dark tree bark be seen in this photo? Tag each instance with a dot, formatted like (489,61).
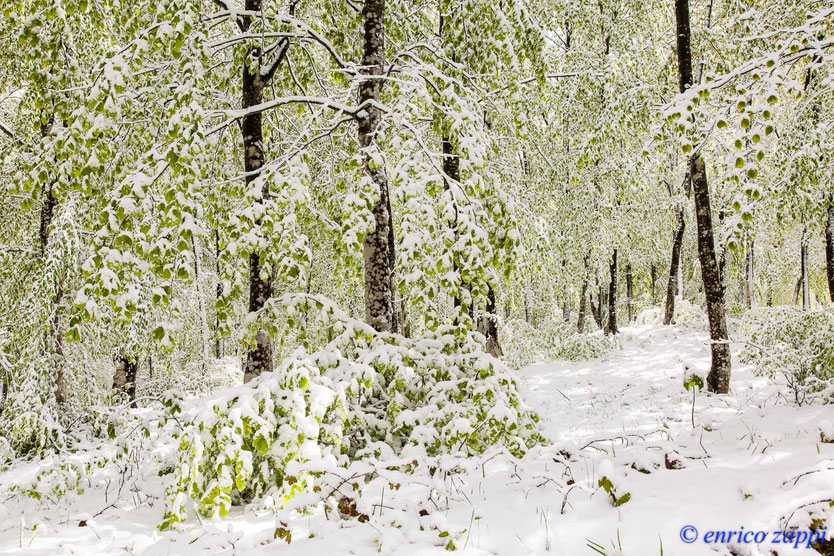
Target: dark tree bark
(629,292)
(257,73)
(583,300)
(124,378)
(674,266)
(380,308)
(488,325)
(718,379)
(583,297)
(748,276)
(803,263)
(54,337)
(653,274)
(611,327)
(797,290)
(218,341)
(829,247)
(451,171)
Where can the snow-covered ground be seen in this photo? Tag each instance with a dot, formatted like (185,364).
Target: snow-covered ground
(752,460)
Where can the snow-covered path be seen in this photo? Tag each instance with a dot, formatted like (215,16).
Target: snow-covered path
(625,417)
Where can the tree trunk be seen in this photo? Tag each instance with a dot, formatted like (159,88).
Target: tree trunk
(380,309)
(124,377)
(654,282)
(630,293)
(748,276)
(803,255)
(54,338)
(797,290)
(488,325)
(583,300)
(566,309)
(451,171)
(718,379)
(259,359)
(201,305)
(611,328)
(671,289)
(829,248)
(218,341)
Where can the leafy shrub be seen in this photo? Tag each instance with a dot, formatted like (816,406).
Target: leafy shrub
(796,344)
(362,395)
(525,344)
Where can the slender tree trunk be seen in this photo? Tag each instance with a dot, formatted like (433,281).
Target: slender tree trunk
(797,290)
(803,255)
(218,341)
(124,378)
(611,328)
(583,300)
(829,247)
(748,276)
(201,305)
(671,289)
(718,379)
(679,288)
(629,293)
(451,171)
(53,338)
(488,325)
(380,302)
(653,274)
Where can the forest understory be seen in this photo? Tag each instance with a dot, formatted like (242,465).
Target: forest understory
(751,460)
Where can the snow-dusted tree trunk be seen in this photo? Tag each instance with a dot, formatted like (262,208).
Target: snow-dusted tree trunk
(124,378)
(201,305)
(829,246)
(674,266)
(629,292)
(748,276)
(54,337)
(583,300)
(256,76)
(380,310)
(611,327)
(488,325)
(719,376)
(718,379)
(803,263)
(451,171)
(218,341)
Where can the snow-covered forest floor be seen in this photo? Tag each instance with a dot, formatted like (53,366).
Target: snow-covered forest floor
(751,460)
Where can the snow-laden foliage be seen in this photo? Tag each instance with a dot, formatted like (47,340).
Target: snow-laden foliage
(553,339)
(687,315)
(795,346)
(361,395)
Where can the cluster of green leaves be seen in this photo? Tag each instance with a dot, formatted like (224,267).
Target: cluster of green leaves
(360,395)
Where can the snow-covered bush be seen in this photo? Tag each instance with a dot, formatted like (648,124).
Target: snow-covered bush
(361,395)
(796,344)
(687,315)
(525,344)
